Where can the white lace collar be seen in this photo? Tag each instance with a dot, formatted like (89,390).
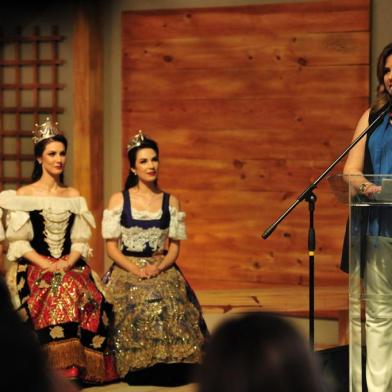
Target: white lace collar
(143,214)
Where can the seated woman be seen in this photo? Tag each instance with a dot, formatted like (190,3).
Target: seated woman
(52,286)
(159,331)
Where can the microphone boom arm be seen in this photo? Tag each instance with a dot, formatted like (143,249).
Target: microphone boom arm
(314,184)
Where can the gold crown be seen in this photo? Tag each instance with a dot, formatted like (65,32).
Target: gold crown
(136,141)
(45,131)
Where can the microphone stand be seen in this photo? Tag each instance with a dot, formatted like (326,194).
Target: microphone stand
(310,198)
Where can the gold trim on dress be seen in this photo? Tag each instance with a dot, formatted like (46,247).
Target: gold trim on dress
(71,353)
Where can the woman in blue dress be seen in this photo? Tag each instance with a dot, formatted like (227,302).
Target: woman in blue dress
(371,265)
(158,332)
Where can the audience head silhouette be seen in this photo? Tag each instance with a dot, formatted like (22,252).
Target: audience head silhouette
(258,352)
(24,367)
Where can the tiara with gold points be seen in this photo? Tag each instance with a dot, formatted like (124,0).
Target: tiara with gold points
(136,141)
(45,130)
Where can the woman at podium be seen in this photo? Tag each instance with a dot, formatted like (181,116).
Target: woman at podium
(372,264)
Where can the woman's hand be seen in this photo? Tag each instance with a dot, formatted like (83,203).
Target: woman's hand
(370,189)
(63,265)
(139,272)
(151,270)
(49,267)
(146,272)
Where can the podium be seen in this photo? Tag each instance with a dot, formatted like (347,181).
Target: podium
(368,250)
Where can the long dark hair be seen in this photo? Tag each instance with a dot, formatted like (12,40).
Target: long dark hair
(132,179)
(39,149)
(258,352)
(382,98)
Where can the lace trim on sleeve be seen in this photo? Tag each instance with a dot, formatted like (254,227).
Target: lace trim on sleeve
(15,221)
(19,233)
(81,232)
(83,248)
(17,249)
(111,227)
(177,228)
(18,226)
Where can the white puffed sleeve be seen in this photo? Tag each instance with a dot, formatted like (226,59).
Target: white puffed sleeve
(111,227)
(19,233)
(177,229)
(81,232)
(1,226)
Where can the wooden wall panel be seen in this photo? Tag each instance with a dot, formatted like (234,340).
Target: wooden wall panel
(283,48)
(324,16)
(249,105)
(88,117)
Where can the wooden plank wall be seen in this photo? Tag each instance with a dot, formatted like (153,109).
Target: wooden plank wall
(249,105)
(88,117)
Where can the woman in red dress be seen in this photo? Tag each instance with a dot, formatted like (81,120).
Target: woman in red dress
(52,286)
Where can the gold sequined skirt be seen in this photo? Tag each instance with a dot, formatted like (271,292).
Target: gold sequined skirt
(155,321)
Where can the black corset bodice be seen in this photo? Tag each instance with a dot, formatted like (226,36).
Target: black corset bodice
(152,231)
(57,233)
